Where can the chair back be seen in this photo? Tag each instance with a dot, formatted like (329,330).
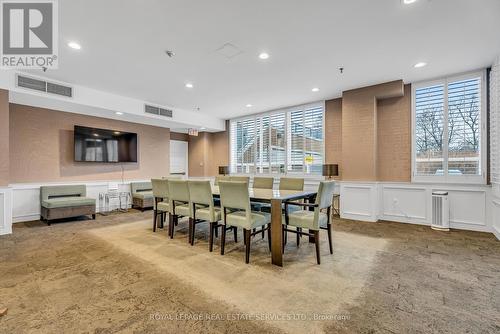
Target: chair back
(324,199)
(160,188)
(178,190)
(172,177)
(234,195)
(200,192)
(47,192)
(221,178)
(263,182)
(291,183)
(241,179)
(137,187)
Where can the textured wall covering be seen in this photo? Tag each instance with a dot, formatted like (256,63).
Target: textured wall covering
(394,138)
(333,133)
(4,137)
(359,129)
(41,148)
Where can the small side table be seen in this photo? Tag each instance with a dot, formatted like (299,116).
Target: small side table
(336,205)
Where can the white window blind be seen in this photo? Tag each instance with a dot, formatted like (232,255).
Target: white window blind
(279,142)
(495,122)
(448,130)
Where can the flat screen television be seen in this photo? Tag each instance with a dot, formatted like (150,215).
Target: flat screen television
(102,145)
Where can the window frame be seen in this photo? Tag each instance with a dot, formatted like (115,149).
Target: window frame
(287,111)
(446,178)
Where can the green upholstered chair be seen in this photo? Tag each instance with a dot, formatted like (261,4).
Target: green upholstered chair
(291,183)
(221,178)
(236,210)
(313,220)
(178,192)
(263,182)
(203,209)
(142,195)
(58,202)
(241,179)
(161,204)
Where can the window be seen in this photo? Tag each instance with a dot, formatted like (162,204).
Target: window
(448,123)
(278,142)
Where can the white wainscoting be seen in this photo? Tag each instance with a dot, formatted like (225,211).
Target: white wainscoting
(5,210)
(470,207)
(26,197)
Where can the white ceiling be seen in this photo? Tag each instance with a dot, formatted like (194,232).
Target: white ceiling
(123,45)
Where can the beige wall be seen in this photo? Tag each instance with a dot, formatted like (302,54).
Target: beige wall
(394,138)
(207,152)
(333,133)
(4,137)
(359,129)
(41,148)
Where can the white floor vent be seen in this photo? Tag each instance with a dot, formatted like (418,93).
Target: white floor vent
(440,211)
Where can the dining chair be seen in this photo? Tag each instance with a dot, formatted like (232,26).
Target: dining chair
(161,205)
(178,203)
(241,179)
(221,178)
(291,183)
(235,197)
(263,182)
(312,220)
(203,210)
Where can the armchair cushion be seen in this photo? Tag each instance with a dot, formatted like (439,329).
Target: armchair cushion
(239,219)
(305,219)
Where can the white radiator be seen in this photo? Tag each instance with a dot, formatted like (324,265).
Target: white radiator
(440,211)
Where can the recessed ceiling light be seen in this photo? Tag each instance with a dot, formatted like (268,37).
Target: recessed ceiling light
(119,113)
(315,89)
(407,2)
(96,135)
(420,64)
(189,85)
(264,55)
(203,128)
(116,132)
(248,105)
(74,45)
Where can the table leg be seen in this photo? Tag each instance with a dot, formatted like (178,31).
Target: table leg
(276,233)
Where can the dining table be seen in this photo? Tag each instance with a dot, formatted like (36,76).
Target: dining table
(275,198)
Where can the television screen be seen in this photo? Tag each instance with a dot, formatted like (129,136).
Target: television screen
(101,145)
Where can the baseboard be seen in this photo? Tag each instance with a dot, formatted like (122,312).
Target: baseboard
(496,232)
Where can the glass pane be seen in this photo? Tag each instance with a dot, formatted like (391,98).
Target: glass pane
(313,140)
(262,137)
(429,127)
(296,137)
(248,146)
(464,124)
(277,155)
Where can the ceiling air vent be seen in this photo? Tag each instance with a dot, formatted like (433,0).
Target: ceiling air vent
(44,86)
(158,111)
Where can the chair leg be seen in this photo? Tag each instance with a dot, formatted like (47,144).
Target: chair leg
(192,233)
(316,242)
(223,240)
(329,229)
(216,230)
(171,226)
(269,237)
(235,229)
(299,229)
(263,230)
(190,230)
(211,236)
(247,234)
(283,239)
(155,214)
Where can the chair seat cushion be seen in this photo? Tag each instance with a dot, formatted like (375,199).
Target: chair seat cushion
(239,219)
(208,215)
(143,195)
(305,219)
(64,202)
(163,206)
